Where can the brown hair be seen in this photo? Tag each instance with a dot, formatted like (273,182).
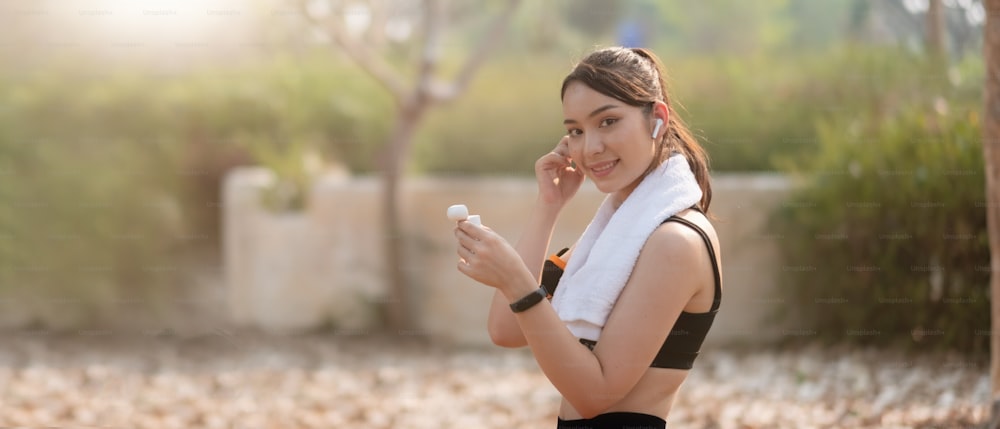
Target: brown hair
(635,77)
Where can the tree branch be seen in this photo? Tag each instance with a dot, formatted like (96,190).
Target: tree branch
(376,31)
(371,64)
(479,55)
(431,54)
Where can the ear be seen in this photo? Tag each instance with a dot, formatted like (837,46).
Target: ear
(659,113)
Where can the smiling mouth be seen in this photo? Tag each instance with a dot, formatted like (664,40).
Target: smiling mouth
(603,168)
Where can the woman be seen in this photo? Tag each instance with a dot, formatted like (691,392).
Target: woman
(639,291)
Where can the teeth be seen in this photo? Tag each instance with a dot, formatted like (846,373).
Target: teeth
(605,168)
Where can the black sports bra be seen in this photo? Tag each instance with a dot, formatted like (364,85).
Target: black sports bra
(684,342)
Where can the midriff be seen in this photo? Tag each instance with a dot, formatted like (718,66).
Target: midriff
(653,395)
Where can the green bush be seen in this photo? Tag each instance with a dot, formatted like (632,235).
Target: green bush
(751,113)
(754,112)
(509,117)
(109,178)
(885,242)
(87,222)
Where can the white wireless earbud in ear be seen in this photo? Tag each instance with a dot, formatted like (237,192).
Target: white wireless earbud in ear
(656,129)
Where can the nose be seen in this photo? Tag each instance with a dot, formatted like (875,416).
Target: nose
(592,144)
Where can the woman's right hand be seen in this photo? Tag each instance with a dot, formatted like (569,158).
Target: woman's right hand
(558,180)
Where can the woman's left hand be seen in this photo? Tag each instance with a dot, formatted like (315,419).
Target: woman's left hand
(487,258)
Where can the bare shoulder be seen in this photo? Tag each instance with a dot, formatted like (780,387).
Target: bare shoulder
(684,238)
(671,251)
(678,237)
(680,246)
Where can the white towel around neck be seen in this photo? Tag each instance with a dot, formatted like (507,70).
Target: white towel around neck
(602,260)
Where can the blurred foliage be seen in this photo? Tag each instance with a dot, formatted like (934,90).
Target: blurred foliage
(754,112)
(593,17)
(885,242)
(86,187)
(494,129)
(750,113)
(109,178)
(713,27)
(297,115)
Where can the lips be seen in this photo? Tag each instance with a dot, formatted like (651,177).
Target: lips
(603,168)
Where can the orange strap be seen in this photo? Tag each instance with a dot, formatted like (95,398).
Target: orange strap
(558,261)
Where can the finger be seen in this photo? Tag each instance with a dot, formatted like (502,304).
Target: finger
(553,175)
(564,144)
(554,163)
(564,141)
(471,231)
(555,158)
(465,253)
(470,244)
(562,148)
(464,268)
(464,240)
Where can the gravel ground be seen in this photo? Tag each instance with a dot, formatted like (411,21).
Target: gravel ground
(108,379)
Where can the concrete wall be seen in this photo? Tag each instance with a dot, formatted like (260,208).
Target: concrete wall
(291,272)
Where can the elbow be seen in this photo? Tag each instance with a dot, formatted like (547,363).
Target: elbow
(502,336)
(502,340)
(591,405)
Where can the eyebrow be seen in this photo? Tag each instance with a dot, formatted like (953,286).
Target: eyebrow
(592,114)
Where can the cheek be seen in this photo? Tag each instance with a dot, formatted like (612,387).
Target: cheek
(575,150)
(640,152)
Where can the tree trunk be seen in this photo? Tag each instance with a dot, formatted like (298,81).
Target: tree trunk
(412,105)
(934,41)
(399,307)
(991,155)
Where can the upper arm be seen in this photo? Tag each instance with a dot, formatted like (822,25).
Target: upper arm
(664,279)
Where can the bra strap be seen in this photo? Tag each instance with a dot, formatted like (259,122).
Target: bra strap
(711,252)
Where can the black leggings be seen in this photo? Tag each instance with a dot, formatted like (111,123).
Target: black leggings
(616,420)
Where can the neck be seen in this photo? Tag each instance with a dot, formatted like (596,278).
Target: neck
(618,197)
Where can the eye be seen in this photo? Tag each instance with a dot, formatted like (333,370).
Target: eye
(608,122)
(573,132)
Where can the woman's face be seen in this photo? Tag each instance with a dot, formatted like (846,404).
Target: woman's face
(608,139)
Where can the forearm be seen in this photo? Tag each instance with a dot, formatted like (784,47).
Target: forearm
(572,368)
(532,247)
(536,236)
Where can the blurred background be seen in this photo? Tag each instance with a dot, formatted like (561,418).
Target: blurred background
(245,195)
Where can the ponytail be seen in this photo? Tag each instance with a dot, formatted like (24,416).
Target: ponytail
(678,137)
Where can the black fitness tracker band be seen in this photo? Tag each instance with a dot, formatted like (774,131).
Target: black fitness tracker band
(529,300)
